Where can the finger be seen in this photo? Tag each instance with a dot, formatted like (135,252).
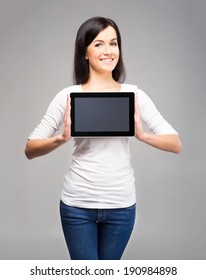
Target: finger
(68,105)
(67,120)
(136,103)
(67,109)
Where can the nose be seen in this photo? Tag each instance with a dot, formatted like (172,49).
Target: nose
(107,49)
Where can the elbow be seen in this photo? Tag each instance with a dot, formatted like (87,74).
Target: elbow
(28,152)
(177,150)
(177,147)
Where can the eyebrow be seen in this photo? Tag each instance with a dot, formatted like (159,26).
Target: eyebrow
(98,40)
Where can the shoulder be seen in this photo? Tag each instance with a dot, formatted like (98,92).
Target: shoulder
(138,92)
(59,100)
(62,94)
(129,87)
(69,89)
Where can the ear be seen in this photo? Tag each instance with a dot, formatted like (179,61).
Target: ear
(86,57)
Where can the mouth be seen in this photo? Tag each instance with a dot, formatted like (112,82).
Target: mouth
(107,60)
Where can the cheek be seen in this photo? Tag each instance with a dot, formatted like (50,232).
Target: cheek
(116,52)
(93,55)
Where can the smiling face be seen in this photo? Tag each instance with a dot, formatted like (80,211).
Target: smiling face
(103,52)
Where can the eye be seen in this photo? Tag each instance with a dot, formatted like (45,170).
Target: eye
(114,44)
(98,45)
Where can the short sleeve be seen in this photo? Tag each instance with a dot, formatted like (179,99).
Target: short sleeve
(151,116)
(53,118)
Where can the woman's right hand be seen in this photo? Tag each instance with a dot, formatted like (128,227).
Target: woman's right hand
(40,147)
(66,134)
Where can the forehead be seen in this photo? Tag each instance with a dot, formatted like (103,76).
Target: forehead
(108,33)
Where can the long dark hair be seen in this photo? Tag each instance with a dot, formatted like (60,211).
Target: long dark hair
(85,35)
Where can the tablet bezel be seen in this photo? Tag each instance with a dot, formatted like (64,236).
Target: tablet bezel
(129,95)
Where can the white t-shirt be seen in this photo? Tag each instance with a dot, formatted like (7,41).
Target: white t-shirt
(100,173)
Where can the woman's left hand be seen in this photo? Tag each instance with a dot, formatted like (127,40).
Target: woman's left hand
(167,142)
(139,132)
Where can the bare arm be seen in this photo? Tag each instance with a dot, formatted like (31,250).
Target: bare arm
(167,142)
(39,147)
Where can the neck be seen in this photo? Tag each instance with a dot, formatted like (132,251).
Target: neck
(101,82)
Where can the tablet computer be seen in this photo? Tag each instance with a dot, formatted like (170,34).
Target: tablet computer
(102,114)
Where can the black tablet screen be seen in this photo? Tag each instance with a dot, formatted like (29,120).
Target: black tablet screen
(102,114)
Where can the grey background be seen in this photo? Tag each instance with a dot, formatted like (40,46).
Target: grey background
(164,52)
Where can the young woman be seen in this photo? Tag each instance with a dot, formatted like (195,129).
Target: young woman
(97,204)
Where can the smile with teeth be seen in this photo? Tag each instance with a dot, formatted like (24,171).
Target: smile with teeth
(107,60)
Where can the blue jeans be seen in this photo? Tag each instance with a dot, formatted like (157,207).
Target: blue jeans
(96,234)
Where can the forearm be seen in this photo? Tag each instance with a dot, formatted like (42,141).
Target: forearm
(168,142)
(40,147)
